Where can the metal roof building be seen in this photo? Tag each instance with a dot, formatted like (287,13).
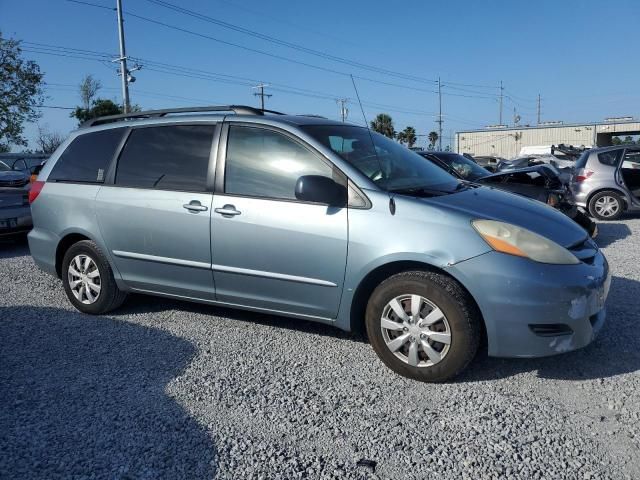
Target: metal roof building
(507,142)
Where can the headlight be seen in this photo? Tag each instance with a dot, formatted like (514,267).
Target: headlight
(507,238)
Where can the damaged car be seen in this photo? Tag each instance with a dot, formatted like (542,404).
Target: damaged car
(540,182)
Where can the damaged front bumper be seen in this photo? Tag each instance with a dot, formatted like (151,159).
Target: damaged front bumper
(533,309)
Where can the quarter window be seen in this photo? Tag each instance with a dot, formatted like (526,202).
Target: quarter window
(87,157)
(264,163)
(611,158)
(174,157)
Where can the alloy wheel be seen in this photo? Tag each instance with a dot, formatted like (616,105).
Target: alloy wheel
(415,330)
(607,206)
(84,279)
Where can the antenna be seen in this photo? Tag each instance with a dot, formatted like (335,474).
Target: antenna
(392,203)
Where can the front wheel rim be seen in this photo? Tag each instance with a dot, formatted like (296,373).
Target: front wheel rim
(84,279)
(415,330)
(607,206)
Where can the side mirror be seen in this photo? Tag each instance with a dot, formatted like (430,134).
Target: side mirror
(319,189)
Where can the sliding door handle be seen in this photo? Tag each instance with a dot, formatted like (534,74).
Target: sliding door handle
(228,211)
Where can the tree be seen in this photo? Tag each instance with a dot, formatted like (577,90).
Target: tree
(48,141)
(21,93)
(408,137)
(99,108)
(89,87)
(628,140)
(433,138)
(616,141)
(383,124)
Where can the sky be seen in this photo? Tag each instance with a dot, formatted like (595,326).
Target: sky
(577,55)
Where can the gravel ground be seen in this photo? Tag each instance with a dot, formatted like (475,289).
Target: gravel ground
(164,389)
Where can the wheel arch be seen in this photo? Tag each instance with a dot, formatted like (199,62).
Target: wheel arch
(376,276)
(615,190)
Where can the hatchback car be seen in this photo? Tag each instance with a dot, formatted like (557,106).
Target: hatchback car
(606,181)
(317,220)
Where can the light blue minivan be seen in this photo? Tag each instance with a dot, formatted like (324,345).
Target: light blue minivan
(318,220)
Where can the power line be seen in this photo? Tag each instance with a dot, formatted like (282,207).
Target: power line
(294,46)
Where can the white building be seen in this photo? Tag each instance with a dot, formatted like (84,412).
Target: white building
(507,142)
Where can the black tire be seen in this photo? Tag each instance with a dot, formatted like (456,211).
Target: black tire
(456,304)
(593,209)
(110,296)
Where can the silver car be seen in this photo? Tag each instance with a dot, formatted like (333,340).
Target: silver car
(606,181)
(317,220)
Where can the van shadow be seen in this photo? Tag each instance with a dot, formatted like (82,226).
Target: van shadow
(11,247)
(84,397)
(616,350)
(138,303)
(611,232)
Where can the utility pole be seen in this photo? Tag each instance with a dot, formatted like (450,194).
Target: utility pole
(261,94)
(538,109)
(344,111)
(501,95)
(439,115)
(124,73)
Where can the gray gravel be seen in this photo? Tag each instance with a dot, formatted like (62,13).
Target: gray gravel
(164,389)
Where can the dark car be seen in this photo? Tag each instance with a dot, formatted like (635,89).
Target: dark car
(15,214)
(540,182)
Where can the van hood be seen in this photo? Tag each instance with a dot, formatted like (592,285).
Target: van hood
(493,204)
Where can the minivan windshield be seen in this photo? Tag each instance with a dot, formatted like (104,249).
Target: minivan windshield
(388,164)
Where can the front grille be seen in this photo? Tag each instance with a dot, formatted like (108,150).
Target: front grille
(550,329)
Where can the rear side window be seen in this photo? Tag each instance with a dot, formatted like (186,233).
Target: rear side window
(264,163)
(172,157)
(610,158)
(87,157)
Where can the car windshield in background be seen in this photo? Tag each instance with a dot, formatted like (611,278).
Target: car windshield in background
(4,167)
(389,165)
(464,167)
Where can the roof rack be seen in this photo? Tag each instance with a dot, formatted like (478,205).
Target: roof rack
(237,109)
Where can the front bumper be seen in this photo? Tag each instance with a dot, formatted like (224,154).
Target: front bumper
(517,295)
(14,220)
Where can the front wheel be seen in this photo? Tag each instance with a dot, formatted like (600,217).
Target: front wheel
(88,279)
(606,206)
(423,325)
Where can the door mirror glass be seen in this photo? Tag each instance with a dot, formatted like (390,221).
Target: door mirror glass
(319,189)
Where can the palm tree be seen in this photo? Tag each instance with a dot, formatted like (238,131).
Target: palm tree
(408,136)
(383,124)
(433,138)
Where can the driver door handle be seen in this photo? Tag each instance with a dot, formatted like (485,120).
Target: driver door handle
(228,211)
(195,206)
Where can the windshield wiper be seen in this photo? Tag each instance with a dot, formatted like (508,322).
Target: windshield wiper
(419,191)
(432,192)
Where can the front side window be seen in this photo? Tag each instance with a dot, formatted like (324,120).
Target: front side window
(268,164)
(87,158)
(610,158)
(174,157)
(467,169)
(387,163)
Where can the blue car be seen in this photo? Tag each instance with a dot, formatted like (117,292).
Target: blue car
(317,220)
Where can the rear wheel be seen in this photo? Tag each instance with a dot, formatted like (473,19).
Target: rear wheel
(88,279)
(423,325)
(606,205)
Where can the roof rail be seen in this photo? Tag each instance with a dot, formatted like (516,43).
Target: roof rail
(237,109)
